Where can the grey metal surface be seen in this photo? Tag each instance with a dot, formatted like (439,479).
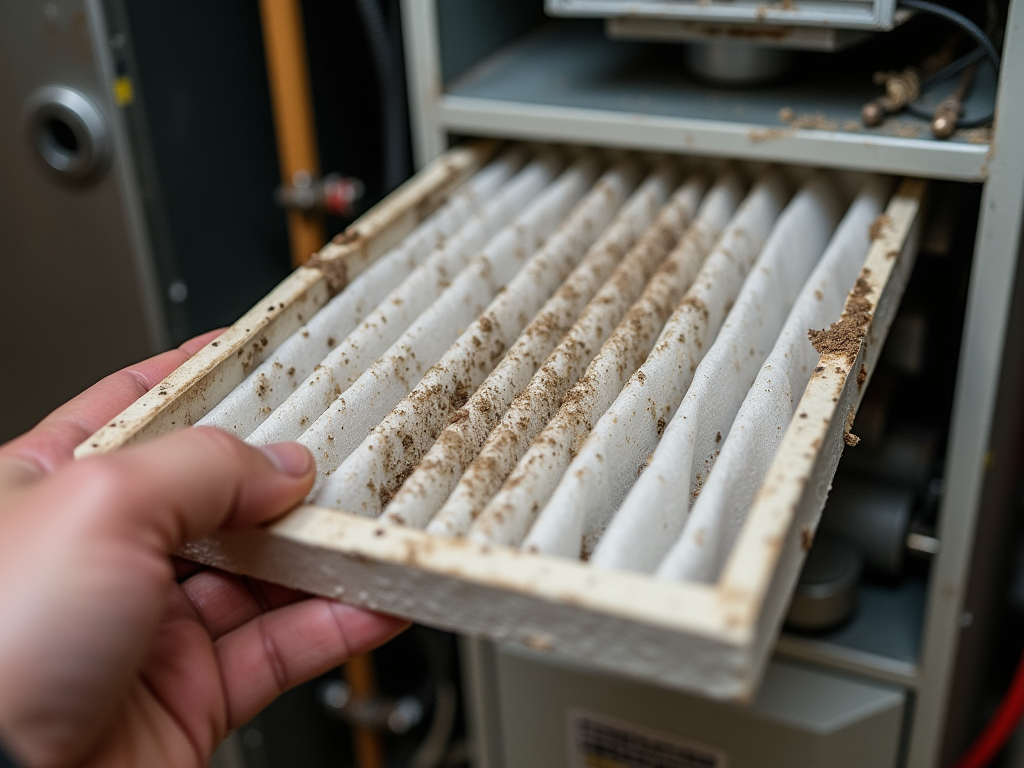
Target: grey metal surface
(567,82)
(882,639)
(469,30)
(874,14)
(480,697)
(421,44)
(77,298)
(792,38)
(733,63)
(801,717)
(997,251)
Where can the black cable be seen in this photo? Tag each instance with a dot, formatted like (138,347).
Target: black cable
(960,20)
(948,71)
(954,68)
(391,84)
(985,46)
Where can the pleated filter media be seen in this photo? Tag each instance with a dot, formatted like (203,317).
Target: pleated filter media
(579,355)
(565,397)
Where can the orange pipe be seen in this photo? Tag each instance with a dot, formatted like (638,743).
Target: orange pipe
(362,682)
(292,104)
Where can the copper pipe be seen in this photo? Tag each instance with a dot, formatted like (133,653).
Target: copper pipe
(900,89)
(292,105)
(951,108)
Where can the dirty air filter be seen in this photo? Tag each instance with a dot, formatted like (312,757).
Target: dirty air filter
(565,397)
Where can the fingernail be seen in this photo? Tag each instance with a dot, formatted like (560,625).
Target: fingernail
(290,458)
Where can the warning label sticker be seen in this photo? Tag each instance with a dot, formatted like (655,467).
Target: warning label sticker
(596,741)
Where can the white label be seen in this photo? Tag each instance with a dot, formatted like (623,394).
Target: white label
(596,741)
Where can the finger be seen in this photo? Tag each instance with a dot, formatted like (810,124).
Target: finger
(171,490)
(184,569)
(278,650)
(224,602)
(52,442)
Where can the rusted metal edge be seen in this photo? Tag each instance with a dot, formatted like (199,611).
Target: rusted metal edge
(397,215)
(634,623)
(189,392)
(758,578)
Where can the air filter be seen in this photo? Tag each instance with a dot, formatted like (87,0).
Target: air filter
(566,398)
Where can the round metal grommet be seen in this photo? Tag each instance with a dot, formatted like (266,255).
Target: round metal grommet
(68,133)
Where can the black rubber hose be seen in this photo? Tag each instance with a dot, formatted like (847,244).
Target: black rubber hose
(391,84)
(984,45)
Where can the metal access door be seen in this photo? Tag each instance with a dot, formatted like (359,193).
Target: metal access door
(78,297)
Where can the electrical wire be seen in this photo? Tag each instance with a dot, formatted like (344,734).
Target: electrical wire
(998,730)
(954,68)
(985,50)
(391,85)
(968,26)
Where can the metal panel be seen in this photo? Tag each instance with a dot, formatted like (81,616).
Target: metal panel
(829,149)
(992,279)
(881,641)
(72,248)
(567,82)
(863,14)
(423,78)
(800,717)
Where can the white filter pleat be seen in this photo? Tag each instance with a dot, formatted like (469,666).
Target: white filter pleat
(351,357)
(578,354)
(691,441)
(508,516)
(248,404)
(632,538)
(531,409)
(761,422)
(606,466)
(431,482)
(763,205)
(369,477)
(347,422)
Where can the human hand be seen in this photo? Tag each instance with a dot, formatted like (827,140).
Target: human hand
(105,659)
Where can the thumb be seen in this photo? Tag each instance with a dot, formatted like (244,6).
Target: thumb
(192,482)
(87,548)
